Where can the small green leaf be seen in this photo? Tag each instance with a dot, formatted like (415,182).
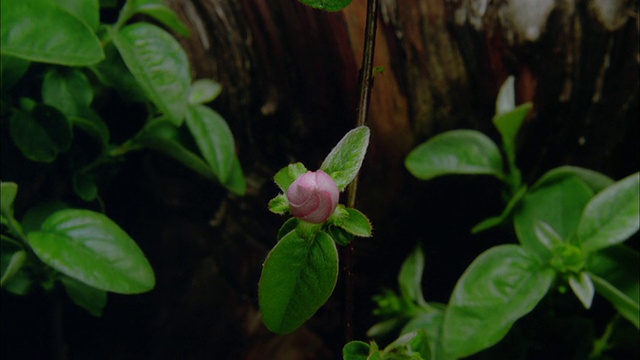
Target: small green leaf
(345,159)
(8,192)
(204,91)
(501,285)
(159,64)
(12,69)
(42,31)
(279,205)
(582,286)
(506,100)
(410,277)
(214,139)
(89,298)
(340,235)
(508,124)
(355,350)
(288,174)
(455,152)
(355,223)
(84,185)
(91,248)
(559,205)
(611,216)
(298,277)
(41,134)
(327,5)
(595,180)
(506,213)
(68,90)
(13,268)
(158,10)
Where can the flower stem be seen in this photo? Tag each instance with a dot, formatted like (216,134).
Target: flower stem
(365,87)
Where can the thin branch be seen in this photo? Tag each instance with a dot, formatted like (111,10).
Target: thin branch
(365,86)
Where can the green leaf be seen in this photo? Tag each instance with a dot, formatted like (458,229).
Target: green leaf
(340,235)
(163,136)
(547,235)
(618,278)
(113,72)
(279,205)
(386,327)
(161,12)
(612,215)
(297,279)
(509,124)
(355,223)
(506,213)
(327,5)
(288,226)
(506,100)
(236,182)
(159,64)
(85,296)
(455,152)
(12,69)
(91,248)
(582,286)
(13,267)
(595,180)
(410,277)
(88,11)
(288,174)
(501,285)
(84,185)
(93,125)
(559,205)
(214,139)
(355,350)
(345,159)
(41,134)
(429,322)
(41,31)
(68,90)
(8,192)
(204,91)
(36,215)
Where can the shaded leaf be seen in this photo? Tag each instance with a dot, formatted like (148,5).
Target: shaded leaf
(89,298)
(204,91)
(68,90)
(327,5)
(41,134)
(12,69)
(506,213)
(87,11)
(355,350)
(595,180)
(113,72)
(410,277)
(158,10)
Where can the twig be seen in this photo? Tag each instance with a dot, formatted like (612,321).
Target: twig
(365,86)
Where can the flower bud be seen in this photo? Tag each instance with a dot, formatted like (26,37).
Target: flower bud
(313,197)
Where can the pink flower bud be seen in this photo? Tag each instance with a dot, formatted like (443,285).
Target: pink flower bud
(313,197)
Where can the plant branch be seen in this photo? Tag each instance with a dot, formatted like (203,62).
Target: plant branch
(365,87)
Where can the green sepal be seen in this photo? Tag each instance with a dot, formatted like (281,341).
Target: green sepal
(279,205)
(288,174)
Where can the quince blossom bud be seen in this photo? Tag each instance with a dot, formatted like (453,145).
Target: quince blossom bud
(313,197)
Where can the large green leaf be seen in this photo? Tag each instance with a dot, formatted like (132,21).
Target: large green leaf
(559,205)
(595,180)
(612,215)
(455,152)
(41,134)
(614,271)
(345,159)
(87,11)
(159,64)
(40,30)
(214,139)
(89,298)
(327,5)
(68,90)
(298,277)
(503,284)
(91,248)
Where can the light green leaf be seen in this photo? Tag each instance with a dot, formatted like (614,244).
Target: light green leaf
(13,267)
(41,134)
(501,285)
(41,31)
(214,139)
(345,159)
(547,235)
(559,205)
(12,260)
(89,298)
(68,90)
(612,216)
(582,286)
(91,248)
(327,5)
(8,192)
(161,12)
(595,180)
(12,69)
(288,174)
(506,100)
(279,205)
(618,279)
(87,11)
(204,91)
(355,223)
(455,152)
(410,277)
(159,64)
(298,277)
